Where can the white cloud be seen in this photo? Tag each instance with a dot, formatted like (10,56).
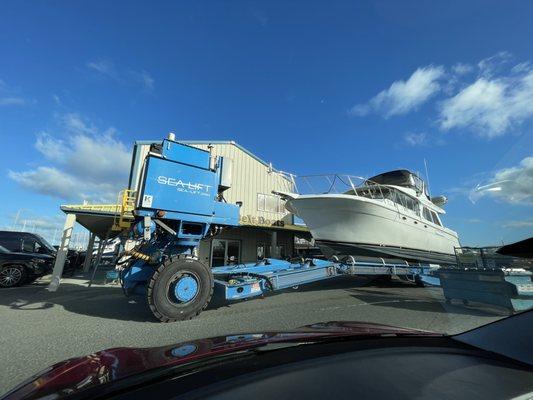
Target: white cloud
(83,165)
(492,99)
(490,65)
(416,139)
(518,224)
(50,147)
(104,67)
(74,123)
(404,96)
(125,76)
(144,78)
(12,101)
(490,107)
(511,185)
(9,96)
(462,69)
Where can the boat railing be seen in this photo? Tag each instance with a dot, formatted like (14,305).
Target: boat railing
(338,184)
(355,186)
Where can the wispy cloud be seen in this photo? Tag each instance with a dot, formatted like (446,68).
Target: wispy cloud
(144,79)
(493,64)
(512,185)
(260,16)
(9,96)
(462,69)
(83,164)
(527,223)
(107,69)
(12,101)
(416,139)
(404,96)
(104,67)
(490,107)
(489,99)
(423,139)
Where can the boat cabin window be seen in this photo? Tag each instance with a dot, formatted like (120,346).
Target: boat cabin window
(377,192)
(407,202)
(435,218)
(431,216)
(427,215)
(381,192)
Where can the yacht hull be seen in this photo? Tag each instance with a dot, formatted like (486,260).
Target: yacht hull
(349,225)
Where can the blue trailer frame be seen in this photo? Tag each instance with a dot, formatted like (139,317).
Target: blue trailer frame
(256,279)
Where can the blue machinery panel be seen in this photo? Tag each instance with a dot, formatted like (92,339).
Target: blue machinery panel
(181,182)
(173,186)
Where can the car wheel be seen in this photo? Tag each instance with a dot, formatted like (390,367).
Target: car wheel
(12,275)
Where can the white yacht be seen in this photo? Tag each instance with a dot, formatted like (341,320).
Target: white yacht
(389,215)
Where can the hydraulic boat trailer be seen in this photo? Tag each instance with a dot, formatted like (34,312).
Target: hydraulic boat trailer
(178,202)
(243,281)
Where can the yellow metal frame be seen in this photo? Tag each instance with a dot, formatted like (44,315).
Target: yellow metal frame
(125,206)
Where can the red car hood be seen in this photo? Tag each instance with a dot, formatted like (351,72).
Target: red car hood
(111,365)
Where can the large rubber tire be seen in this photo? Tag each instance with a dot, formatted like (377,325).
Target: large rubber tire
(12,275)
(164,305)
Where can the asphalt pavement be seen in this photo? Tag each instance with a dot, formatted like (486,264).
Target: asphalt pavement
(40,328)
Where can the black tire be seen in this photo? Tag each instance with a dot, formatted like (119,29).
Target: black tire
(12,275)
(164,305)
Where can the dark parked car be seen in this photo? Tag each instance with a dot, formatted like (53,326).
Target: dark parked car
(26,242)
(18,268)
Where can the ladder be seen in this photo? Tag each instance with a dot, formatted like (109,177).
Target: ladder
(125,206)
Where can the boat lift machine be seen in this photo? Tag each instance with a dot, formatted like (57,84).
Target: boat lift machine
(179,200)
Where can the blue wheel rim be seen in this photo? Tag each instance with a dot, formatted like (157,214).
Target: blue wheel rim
(186,288)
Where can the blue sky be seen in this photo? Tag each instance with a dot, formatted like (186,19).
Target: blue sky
(315,87)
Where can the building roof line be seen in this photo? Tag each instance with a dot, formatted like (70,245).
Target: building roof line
(245,150)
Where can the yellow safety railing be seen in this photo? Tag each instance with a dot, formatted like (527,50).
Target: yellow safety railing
(113,208)
(125,205)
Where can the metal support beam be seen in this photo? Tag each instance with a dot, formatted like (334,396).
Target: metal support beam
(101,247)
(274,245)
(62,252)
(89,253)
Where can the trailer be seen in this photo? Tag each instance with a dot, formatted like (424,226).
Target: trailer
(178,200)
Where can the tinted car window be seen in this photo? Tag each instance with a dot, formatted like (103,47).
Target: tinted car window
(12,244)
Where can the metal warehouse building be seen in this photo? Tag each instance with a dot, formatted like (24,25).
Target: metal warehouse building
(266,228)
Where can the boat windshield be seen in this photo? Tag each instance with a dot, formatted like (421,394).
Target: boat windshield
(378,192)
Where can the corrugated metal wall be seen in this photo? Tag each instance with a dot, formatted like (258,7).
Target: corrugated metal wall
(250,177)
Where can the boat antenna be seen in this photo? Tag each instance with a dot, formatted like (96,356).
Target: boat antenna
(427,176)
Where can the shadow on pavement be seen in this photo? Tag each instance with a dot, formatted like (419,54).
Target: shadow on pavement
(424,300)
(96,301)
